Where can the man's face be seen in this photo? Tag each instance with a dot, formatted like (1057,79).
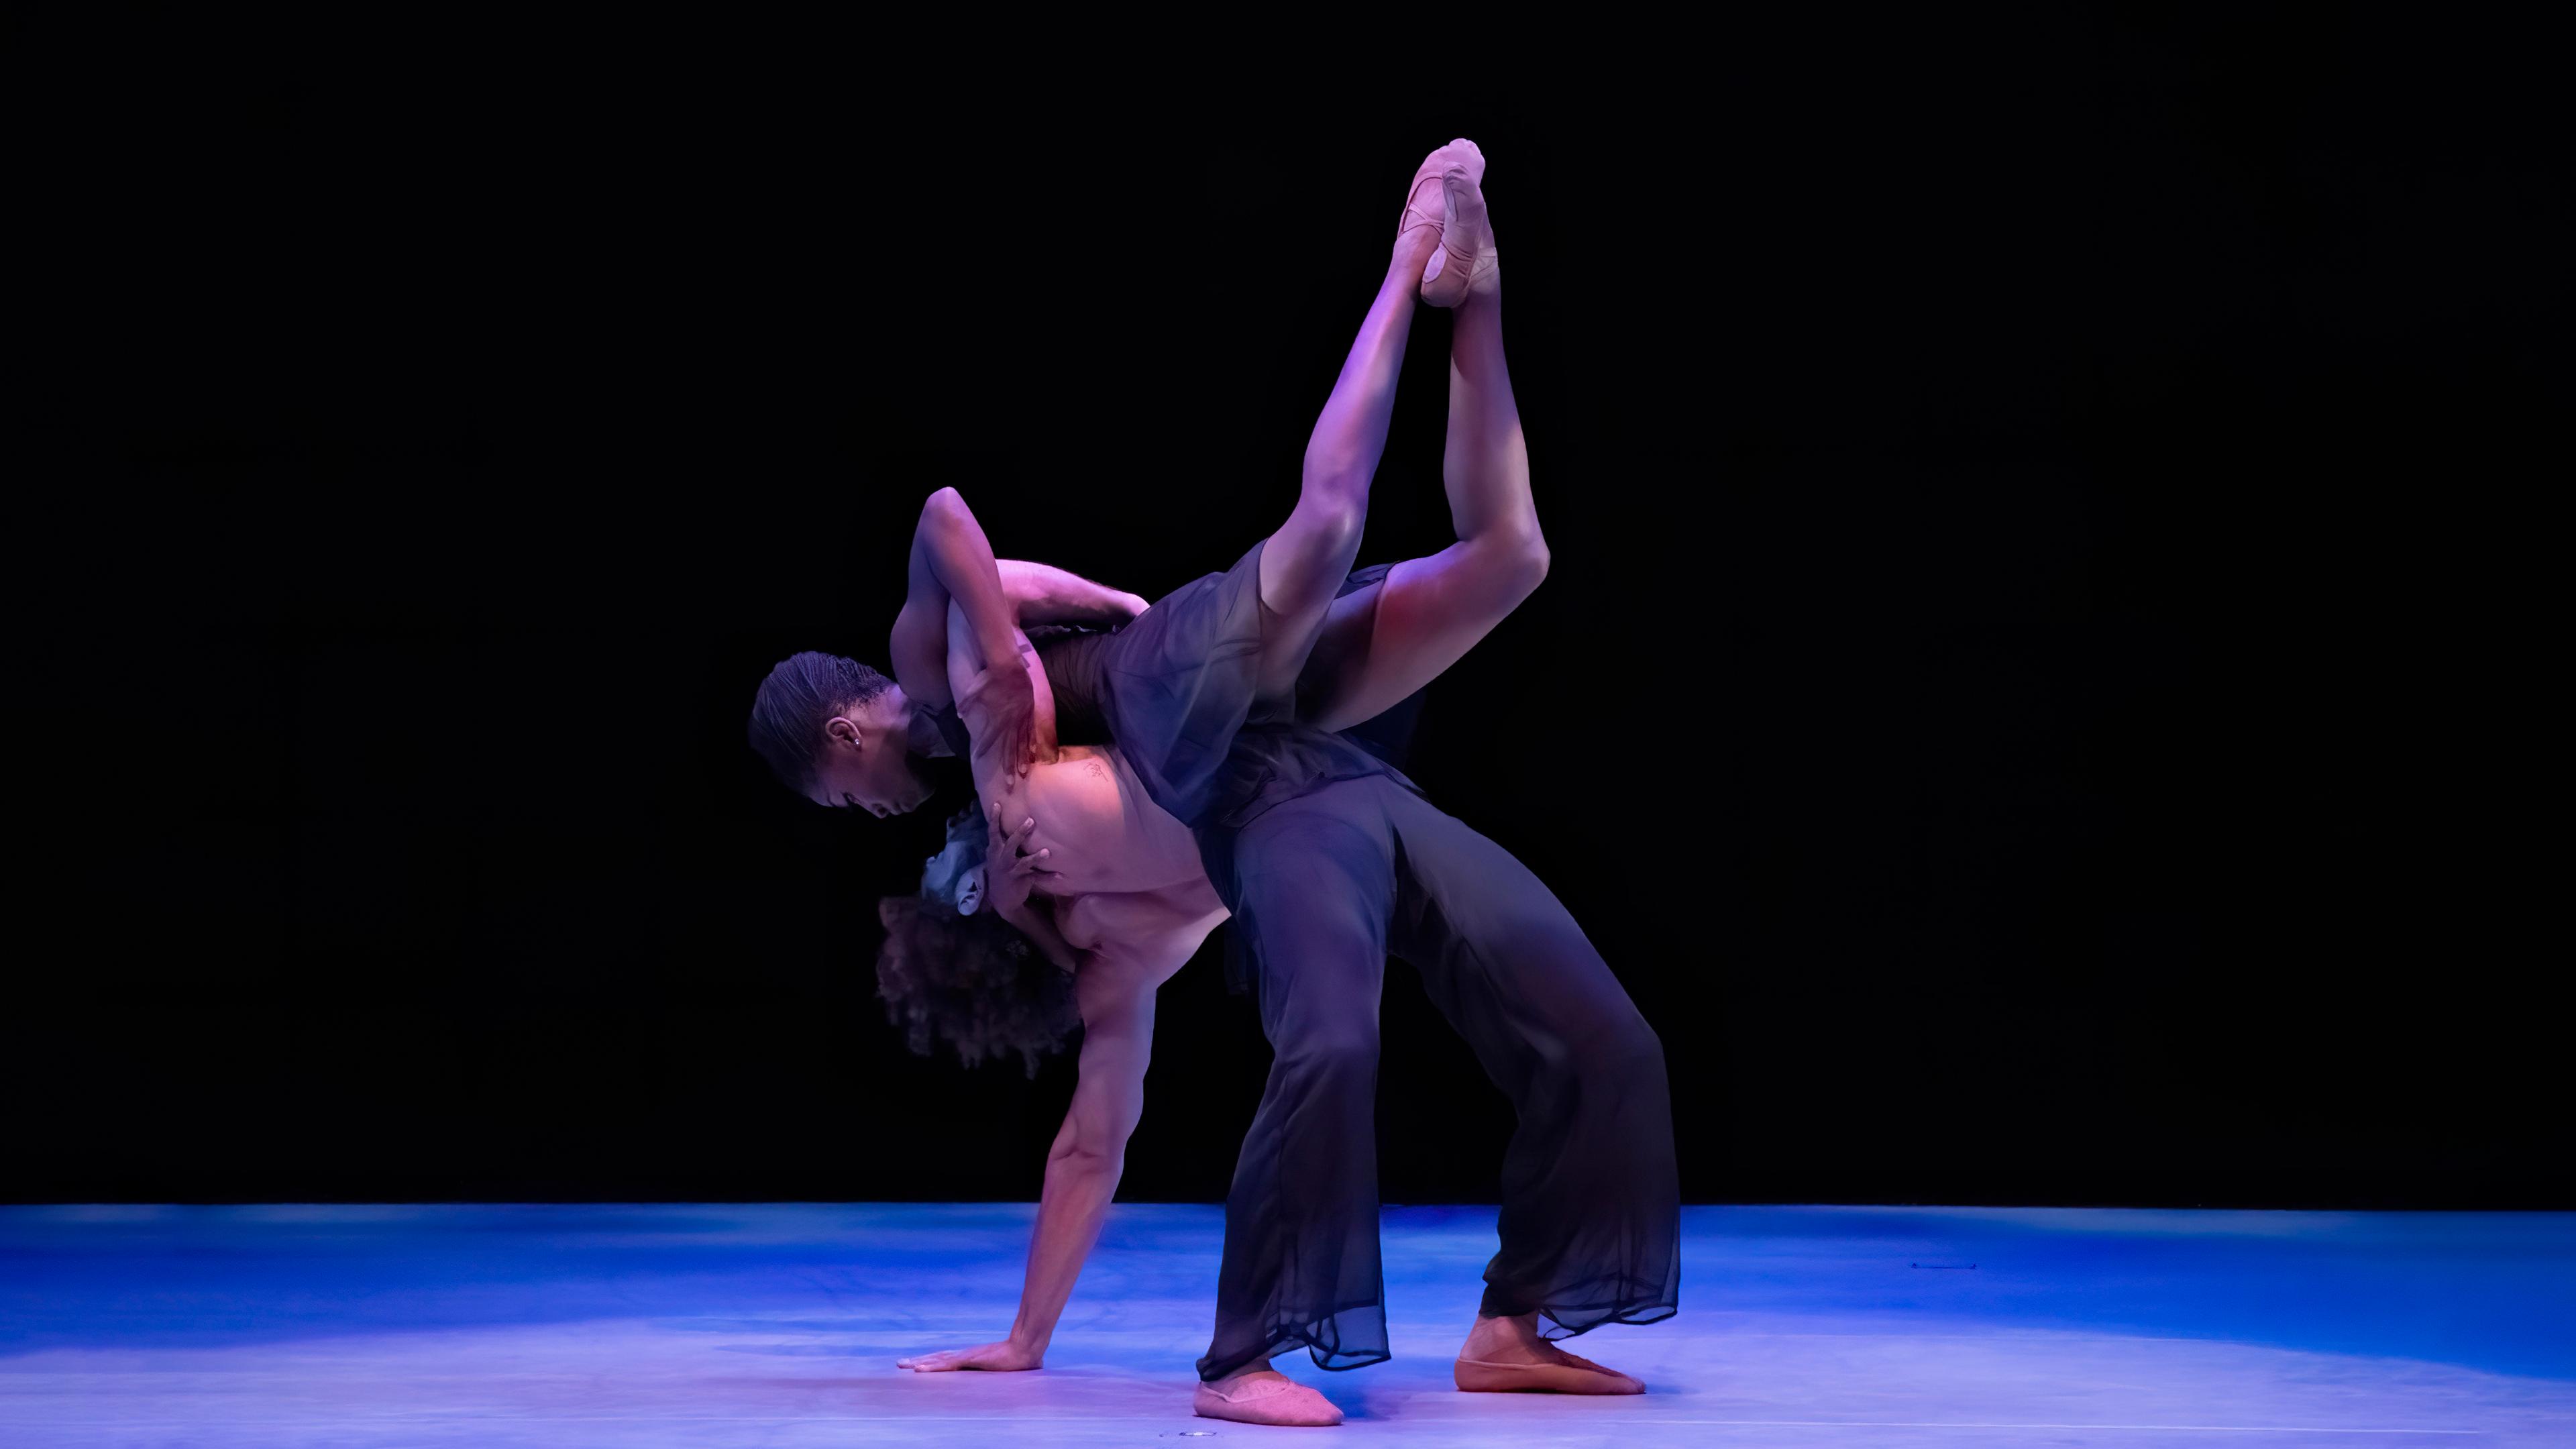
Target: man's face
(867,762)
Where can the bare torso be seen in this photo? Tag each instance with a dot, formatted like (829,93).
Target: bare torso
(1129,874)
(1126,875)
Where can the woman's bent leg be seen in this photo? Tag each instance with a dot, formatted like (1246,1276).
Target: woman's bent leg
(1311,885)
(1383,645)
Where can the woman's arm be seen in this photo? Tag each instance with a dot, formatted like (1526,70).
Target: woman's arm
(1044,594)
(954,601)
(1084,1165)
(998,706)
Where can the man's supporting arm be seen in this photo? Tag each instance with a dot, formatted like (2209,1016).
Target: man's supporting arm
(1090,1152)
(1083,1167)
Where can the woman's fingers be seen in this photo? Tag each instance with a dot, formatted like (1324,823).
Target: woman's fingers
(1040,859)
(1011,835)
(1016,842)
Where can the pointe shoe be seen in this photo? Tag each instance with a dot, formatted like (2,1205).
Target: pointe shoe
(1433,210)
(1467,262)
(1574,1376)
(1417,214)
(1266,1397)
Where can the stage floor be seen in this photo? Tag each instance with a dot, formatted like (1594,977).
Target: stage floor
(778,1325)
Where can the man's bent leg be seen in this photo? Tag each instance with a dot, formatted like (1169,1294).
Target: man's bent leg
(1591,1212)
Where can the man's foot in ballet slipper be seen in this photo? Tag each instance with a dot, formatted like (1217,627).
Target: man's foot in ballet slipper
(1506,1355)
(1467,264)
(1263,1395)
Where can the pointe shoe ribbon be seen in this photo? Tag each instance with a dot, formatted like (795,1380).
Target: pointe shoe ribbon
(1575,1376)
(1281,1401)
(1415,217)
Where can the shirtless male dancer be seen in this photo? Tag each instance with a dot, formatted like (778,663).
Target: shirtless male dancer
(1220,699)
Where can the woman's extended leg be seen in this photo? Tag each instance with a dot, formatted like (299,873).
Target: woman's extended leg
(1304,562)
(1383,642)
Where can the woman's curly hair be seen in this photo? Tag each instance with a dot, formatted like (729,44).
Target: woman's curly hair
(970,979)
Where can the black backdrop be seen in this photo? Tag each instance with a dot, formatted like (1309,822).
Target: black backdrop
(2039,673)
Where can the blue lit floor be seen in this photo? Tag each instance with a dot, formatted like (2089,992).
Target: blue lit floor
(570,1327)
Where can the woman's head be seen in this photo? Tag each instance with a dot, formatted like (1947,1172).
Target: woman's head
(838,733)
(952,970)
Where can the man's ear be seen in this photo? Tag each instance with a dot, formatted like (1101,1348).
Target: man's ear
(845,731)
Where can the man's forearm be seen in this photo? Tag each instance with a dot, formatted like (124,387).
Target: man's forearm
(1045,594)
(1071,1207)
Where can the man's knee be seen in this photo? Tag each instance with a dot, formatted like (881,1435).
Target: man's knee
(1339,1051)
(1628,1054)
(1643,1051)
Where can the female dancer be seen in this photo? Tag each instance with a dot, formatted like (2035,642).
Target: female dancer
(1221,699)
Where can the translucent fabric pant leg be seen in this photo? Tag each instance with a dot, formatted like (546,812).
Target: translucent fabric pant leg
(1591,1194)
(1311,882)
(1324,886)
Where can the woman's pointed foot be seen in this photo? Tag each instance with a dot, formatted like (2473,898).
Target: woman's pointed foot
(1265,1396)
(1467,264)
(1423,203)
(1426,204)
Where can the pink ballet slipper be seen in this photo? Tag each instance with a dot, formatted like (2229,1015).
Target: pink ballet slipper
(1265,1397)
(1440,212)
(1416,214)
(1467,262)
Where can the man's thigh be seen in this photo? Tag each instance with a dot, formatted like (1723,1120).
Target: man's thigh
(1313,883)
(1498,951)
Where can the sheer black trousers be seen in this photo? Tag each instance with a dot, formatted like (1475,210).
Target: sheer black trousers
(1324,888)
